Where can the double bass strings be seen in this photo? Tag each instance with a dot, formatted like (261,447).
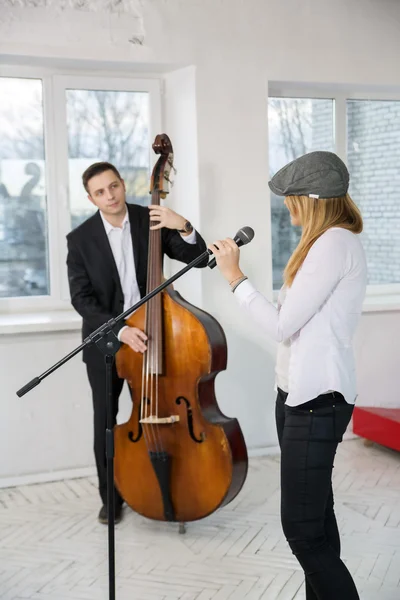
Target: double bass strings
(150,375)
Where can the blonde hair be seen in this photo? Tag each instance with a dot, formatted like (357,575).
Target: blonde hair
(316,217)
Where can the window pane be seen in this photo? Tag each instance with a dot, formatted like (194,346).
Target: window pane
(107,126)
(296,126)
(373,149)
(23,210)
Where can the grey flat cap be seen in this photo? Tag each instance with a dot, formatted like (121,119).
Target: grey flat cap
(316,174)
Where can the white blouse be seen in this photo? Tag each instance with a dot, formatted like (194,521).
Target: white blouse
(283,353)
(318,317)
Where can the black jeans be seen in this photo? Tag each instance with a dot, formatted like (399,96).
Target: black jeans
(308,436)
(97,380)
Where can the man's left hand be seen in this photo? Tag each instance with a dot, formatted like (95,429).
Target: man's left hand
(165,217)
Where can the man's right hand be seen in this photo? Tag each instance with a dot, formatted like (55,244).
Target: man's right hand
(134,338)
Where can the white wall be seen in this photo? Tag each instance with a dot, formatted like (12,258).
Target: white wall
(50,427)
(232,48)
(377,352)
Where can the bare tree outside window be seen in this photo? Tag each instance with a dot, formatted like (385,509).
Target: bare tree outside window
(107,126)
(296,126)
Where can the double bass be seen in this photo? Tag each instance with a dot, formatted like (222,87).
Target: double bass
(178,457)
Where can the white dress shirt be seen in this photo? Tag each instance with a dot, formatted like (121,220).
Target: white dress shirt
(318,316)
(120,239)
(121,246)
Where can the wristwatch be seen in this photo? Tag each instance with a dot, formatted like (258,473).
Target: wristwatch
(187,228)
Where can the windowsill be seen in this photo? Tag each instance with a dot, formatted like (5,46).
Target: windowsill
(372,303)
(382,303)
(69,320)
(39,322)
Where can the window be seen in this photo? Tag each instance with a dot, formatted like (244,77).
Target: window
(373,158)
(52,127)
(296,126)
(366,134)
(24,256)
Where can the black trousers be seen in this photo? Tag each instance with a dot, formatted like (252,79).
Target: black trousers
(308,436)
(97,380)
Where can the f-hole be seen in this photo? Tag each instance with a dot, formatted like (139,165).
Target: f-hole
(190,420)
(131,437)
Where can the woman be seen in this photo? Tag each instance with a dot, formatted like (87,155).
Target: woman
(318,310)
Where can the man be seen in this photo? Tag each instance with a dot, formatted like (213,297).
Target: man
(107,270)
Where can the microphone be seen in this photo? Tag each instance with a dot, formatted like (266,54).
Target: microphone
(243,237)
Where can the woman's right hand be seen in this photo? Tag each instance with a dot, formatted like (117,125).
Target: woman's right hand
(134,338)
(227,256)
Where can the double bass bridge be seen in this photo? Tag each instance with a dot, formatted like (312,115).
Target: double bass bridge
(154,420)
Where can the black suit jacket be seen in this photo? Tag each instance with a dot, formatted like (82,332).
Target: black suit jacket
(95,287)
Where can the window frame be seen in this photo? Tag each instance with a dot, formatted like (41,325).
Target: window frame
(374,292)
(54,84)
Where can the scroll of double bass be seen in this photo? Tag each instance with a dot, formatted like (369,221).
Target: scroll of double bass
(178,458)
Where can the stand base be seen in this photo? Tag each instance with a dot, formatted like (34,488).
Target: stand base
(182,527)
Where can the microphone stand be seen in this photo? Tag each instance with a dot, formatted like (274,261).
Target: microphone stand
(107,342)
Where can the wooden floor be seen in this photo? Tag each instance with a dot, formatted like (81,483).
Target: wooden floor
(53,548)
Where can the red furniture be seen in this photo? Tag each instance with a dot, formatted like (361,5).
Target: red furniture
(380,425)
